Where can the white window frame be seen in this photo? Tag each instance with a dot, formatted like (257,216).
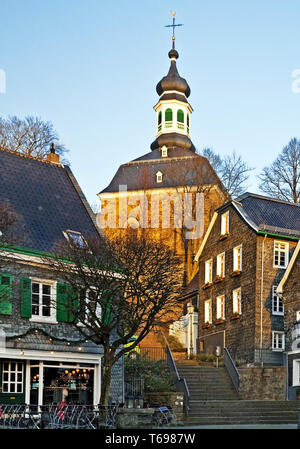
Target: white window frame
(286,254)
(164,151)
(237,301)
(225,223)
(235,258)
(208,271)
(15,382)
(297,315)
(68,234)
(276,339)
(208,311)
(98,310)
(159,177)
(276,300)
(296,373)
(40,318)
(221,307)
(219,265)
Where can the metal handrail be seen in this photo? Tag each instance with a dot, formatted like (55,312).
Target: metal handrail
(179,382)
(232,369)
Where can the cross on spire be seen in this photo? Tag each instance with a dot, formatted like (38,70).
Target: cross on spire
(173,14)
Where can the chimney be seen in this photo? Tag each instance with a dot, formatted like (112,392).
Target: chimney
(52,156)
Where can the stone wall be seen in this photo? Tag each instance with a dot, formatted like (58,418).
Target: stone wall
(175,400)
(263,383)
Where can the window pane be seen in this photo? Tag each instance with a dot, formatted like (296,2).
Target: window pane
(19,388)
(13,366)
(5,387)
(35,288)
(46,289)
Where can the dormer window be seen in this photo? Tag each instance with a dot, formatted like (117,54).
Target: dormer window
(76,239)
(164,151)
(159,176)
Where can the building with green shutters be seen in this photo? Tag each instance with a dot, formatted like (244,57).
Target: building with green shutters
(43,358)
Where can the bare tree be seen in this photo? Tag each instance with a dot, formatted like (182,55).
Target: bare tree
(231,169)
(282,178)
(118,289)
(31,136)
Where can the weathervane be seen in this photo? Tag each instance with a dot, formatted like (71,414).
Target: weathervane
(173,14)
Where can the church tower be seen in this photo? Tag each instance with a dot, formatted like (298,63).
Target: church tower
(171,168)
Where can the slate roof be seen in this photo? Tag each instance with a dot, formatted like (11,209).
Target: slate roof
(186,168)
(269,214)
(47,199)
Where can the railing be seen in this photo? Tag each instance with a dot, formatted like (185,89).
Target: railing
(57,416)
(232,370)
(154,353)
(179,382)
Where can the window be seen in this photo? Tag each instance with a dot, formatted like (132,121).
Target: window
(207,311)
(277,341)
(90,307)
(221,307)
(237,258)
(208,271)
(12,377)
(237,301)
(164,151)
(159,176)
(42,299)
(277,304)
(188,122)
(76,239)
(168,115)
(159,117)
(225,223)
(298,315)
(180,116)
(159,121)
(221,265)
(281,251)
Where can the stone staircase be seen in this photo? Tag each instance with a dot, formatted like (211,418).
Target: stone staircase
(214,401)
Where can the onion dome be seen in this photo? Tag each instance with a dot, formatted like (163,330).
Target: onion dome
(173,80)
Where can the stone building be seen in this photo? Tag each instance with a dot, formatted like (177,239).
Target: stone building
(242,259)
(289,290)
(43,358)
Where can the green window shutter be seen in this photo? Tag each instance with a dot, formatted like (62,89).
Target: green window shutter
(107,308)
(67,303)
(168,115)
(6,294)
(180,116)
(26,298)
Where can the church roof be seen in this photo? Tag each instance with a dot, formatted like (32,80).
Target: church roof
(46,199)
(188,169)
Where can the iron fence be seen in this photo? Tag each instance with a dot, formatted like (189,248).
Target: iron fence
(154,353)
(57,416)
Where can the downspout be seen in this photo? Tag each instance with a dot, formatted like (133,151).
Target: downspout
(261,298)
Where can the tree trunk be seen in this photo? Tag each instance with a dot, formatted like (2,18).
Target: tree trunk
(108,361)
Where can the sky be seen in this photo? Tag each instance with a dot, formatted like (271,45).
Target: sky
(91,68)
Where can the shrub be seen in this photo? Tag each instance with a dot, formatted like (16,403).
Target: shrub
(157,377)
(175,344)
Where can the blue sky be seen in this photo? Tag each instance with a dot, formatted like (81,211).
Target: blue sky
(91,68)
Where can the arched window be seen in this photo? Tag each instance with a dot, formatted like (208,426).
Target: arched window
(188,120)
(159,176)
(159,121)
(159,117)
(180,116)
(168,115)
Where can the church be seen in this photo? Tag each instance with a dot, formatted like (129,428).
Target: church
(170,192)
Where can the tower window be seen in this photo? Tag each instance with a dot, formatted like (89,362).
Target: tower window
(188,122)
(168,115)
(164,151)
(159,121)
(180,116)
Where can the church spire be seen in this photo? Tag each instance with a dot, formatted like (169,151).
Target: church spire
(173,109)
